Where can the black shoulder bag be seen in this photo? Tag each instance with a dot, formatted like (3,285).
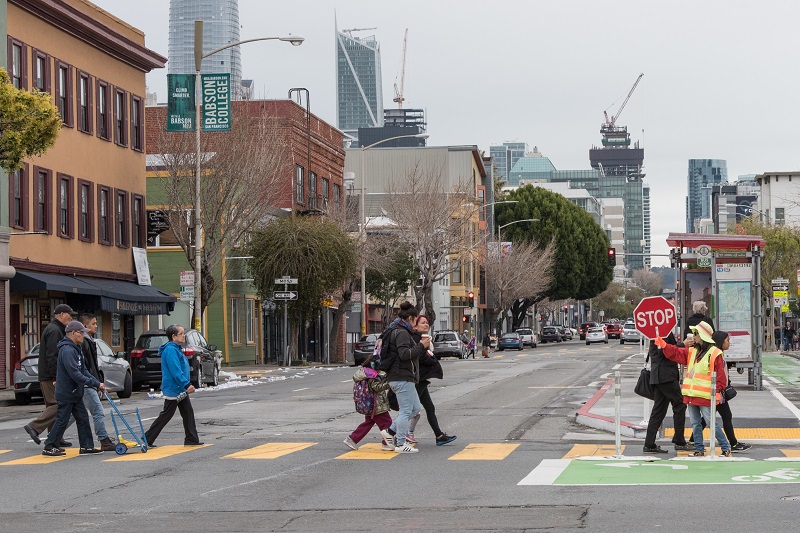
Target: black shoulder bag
(643,387)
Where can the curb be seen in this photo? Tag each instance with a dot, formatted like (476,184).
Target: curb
(586,418)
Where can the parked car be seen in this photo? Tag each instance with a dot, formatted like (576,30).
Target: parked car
(596,334)
(510,340)
(528,337)
(364,348)
(448,344)
(551,334)
(630,333)
(566,333)
(614,330)
(585,327)
(146,362)
(114,371)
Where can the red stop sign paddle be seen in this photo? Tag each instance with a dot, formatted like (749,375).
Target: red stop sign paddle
(655,316)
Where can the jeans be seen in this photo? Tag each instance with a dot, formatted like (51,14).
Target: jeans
(786,343)
(697,414)
(92,402)
(65,410)
(408,401)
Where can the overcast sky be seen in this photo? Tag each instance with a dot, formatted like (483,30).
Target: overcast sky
(720,77)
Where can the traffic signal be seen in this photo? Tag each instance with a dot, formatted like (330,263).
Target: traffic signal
(565,308)
(612,257)
(471,298)
(465,319)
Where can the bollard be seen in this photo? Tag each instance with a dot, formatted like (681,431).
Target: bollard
(617,412)
(713,422)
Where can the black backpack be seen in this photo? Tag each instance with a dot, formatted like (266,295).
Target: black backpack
(381,360)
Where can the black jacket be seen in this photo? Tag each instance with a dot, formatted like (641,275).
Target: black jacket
(662,370)
(696,319)
(48,349)
(429,366)
(406,353)
(89,348)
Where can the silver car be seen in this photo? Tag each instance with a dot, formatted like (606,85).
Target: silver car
(596,335)
(630,334)
(114,371)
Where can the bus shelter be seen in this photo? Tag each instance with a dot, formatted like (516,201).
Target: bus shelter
(725,272)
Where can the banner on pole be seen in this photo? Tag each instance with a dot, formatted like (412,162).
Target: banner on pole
(180,102)
(216,98)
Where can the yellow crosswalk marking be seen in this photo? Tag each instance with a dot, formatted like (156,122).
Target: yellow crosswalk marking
(271,450)
(586,450)
(791,453)
(522,355)
(369,451)
(4,451)
(717,452)
(154,454)
(497,357)
(747,434)
(484,452)
(41,459)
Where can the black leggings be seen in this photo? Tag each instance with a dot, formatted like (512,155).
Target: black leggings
(430,410)
(724,410)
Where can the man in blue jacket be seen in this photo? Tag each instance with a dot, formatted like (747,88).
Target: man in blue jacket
(71,377)
(175,387)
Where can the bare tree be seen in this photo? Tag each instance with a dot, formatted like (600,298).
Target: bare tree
(650,282)
(524,272)
(434,220)
(243,178)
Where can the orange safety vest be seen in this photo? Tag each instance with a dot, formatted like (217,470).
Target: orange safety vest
(697,381)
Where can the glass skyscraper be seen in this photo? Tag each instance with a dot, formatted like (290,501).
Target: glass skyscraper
(359,97)
(220,27)
(504,158)
(703,174)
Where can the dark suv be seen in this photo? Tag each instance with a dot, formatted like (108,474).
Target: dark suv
(585,327)
(146,362)
(551,334)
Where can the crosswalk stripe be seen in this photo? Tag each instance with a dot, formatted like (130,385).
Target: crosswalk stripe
(754,433)
(369,451)
(271,450)
(586,450)
(154,454)
(484,452)
(791,453)
(42,459)
(4,451)
(497,357)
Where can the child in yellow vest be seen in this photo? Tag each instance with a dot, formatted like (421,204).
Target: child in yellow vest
(700,360)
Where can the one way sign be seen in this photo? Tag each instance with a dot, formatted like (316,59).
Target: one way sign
(285,295)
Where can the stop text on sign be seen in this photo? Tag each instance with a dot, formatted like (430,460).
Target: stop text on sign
(655,318)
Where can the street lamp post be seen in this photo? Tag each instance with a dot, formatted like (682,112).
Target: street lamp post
(751,210)
(198,60)
(513,222)
(363,220)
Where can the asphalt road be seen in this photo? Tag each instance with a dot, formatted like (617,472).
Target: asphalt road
(509,412)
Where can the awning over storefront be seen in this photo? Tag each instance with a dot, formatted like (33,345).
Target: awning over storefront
(128,298)
(38,281)
(123,297)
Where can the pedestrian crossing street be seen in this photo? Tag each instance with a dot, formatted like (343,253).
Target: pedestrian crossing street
(271,450)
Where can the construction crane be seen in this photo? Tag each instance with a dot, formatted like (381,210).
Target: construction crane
(350,31)
(609,124)
(398,93)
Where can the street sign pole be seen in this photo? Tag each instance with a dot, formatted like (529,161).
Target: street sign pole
(286,281)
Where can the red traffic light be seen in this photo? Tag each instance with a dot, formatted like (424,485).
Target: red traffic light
(464,318)
(470,295)
(565,308)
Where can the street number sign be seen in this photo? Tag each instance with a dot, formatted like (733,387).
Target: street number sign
(655,316)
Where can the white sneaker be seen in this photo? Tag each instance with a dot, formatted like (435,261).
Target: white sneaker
(350,444)
(388,437)
(405,448)
(387,447)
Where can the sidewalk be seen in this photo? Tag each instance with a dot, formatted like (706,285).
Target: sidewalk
(766,415)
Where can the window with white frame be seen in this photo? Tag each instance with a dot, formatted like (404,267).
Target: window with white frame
(235,338)
(250,317)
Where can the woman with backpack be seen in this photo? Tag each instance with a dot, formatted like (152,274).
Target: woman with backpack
(401,364)
(370,392)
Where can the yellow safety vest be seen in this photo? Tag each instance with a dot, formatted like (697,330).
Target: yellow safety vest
(697,381)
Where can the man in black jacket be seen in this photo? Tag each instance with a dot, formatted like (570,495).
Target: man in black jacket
(665,378)
(700,314)
(48,359)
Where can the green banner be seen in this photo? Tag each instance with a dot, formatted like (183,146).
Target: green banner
(216,90)
(180,102)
